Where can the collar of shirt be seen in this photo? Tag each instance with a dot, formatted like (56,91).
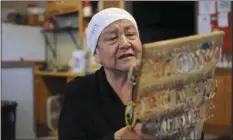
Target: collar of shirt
(106,91)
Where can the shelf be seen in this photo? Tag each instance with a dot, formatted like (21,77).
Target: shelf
(18,63)
(53,46)
(65,74)
(57,30)
(59,74)
(62,11)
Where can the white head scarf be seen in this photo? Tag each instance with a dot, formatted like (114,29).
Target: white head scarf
(101,20)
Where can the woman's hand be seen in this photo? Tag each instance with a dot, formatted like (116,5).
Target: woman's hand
(127,133)
(137,129)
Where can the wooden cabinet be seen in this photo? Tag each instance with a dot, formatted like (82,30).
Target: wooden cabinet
(107,4)
(47,84)
(220,124)
(44,87)
(65,7)
(62,7)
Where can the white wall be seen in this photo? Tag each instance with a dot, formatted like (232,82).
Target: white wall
(28,42)
(22,41)
(65,46)
(20,6)
(17,85)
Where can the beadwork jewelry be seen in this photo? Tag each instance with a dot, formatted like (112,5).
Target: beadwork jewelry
(194,62)
(130,115)
(131,77)
(200,58)
(182,63)
(169,67)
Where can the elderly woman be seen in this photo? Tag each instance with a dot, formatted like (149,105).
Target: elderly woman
(94,105)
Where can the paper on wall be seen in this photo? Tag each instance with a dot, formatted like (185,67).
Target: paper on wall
(223,20)
(224,6)
(207,7)
(204,25)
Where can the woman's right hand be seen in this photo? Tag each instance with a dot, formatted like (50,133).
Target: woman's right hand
(127,133)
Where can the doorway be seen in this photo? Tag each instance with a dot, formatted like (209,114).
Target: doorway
(161,20)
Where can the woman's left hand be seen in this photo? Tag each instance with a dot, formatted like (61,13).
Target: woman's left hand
(138,128)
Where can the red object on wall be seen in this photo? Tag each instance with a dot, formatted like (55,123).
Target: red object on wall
(48,24)
(227,45)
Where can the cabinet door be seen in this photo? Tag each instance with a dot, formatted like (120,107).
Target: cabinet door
(41,94)
(219,124)
(229,98)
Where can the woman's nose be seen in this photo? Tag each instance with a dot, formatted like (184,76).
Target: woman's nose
(124,42)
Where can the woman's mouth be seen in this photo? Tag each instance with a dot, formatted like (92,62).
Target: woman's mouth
(126,56)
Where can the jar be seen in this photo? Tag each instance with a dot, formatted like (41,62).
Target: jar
(87,10)
(35,15)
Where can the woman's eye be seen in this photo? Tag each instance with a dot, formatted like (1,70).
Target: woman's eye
(111,39)
(131,36)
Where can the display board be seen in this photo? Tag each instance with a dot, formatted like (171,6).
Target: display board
(173,84)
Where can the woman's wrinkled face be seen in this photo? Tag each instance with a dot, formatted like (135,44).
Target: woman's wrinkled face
(119,46)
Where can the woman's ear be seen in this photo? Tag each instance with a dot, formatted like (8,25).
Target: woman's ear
(97,57)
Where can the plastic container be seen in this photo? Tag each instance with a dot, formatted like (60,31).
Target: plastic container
(35,14)
(87,10)
(78,61)
(8,120)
